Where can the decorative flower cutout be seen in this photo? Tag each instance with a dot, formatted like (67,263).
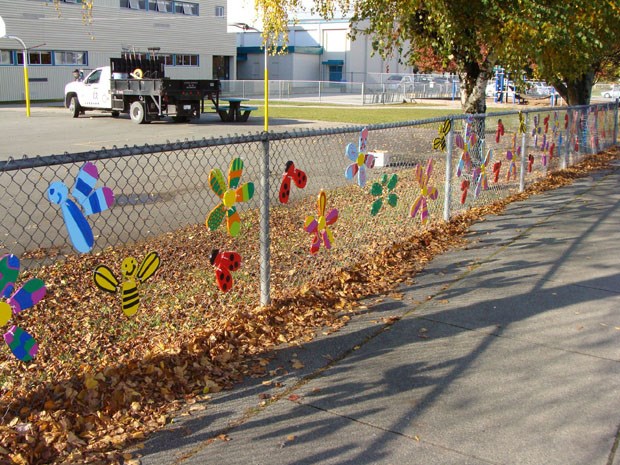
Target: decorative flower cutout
(22,344)
(378,189)
(420,203)
(318,226)
(234,193)
(511,157)
(482,183)
(360,158)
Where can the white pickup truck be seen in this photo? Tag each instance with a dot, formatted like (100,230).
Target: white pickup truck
(116,89)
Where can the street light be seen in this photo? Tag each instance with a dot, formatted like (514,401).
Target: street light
(246,27)
(3,35)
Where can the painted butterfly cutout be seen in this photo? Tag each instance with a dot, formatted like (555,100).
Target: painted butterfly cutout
(360,158)
(92,201)
(291,173)
(22,345)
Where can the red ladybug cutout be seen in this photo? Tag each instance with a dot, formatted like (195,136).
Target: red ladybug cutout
(500,130)
(225,263)
(497,166)
(298,176)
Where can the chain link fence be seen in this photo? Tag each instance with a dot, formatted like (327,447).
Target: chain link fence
(161,190)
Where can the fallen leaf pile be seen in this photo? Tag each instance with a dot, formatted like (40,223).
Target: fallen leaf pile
(102,381)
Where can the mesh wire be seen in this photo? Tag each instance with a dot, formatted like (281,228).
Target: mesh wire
(162,189)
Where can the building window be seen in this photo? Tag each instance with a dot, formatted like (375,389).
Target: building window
(186,60)
(6,57)
(219,11)
(186,8)
(134,4)
(36,58)
(162,6)
(70,58)
(168,61)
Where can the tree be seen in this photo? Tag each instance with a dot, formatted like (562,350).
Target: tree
(569,42)
(566,41)
(465,32)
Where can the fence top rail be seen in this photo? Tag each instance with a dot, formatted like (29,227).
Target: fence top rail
(14,164)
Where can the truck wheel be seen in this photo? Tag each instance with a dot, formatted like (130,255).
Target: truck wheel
(137,112)
(74,107)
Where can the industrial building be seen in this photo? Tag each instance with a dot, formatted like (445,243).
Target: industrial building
(62,35)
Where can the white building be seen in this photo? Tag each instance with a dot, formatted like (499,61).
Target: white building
(317,50)
(190,34)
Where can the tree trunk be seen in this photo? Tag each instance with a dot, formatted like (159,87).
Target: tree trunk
(473,81)
(576,91)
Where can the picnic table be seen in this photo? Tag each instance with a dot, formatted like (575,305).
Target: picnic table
(235,110)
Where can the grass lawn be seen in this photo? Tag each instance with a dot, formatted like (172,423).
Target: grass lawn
(350,114)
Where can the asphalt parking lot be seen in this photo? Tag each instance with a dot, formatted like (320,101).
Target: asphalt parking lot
(50,130)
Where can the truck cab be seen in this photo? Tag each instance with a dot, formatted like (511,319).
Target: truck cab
(93,92)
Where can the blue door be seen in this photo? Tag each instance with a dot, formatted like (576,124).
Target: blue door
(335,73)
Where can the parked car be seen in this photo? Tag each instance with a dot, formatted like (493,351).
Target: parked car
(399,82)
(614,92)
(490,90)
(539,89)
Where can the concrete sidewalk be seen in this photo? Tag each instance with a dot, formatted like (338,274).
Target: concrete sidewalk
(505,352)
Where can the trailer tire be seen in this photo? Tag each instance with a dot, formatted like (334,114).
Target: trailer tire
(137,112)
(74,106)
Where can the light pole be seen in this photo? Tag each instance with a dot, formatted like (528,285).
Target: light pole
(246,27)
(4,35)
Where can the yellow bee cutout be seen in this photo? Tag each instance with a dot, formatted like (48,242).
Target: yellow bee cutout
(133,276)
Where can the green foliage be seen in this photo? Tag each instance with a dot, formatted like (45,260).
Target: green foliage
(562,41)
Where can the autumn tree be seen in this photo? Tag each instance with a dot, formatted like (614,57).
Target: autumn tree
(568,42)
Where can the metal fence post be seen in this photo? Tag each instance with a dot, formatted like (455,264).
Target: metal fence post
(265,241)
(448,180)
(363,94)
(616,122)
(523,154)
(566,154)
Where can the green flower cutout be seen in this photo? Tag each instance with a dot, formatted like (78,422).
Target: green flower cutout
(379,189)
